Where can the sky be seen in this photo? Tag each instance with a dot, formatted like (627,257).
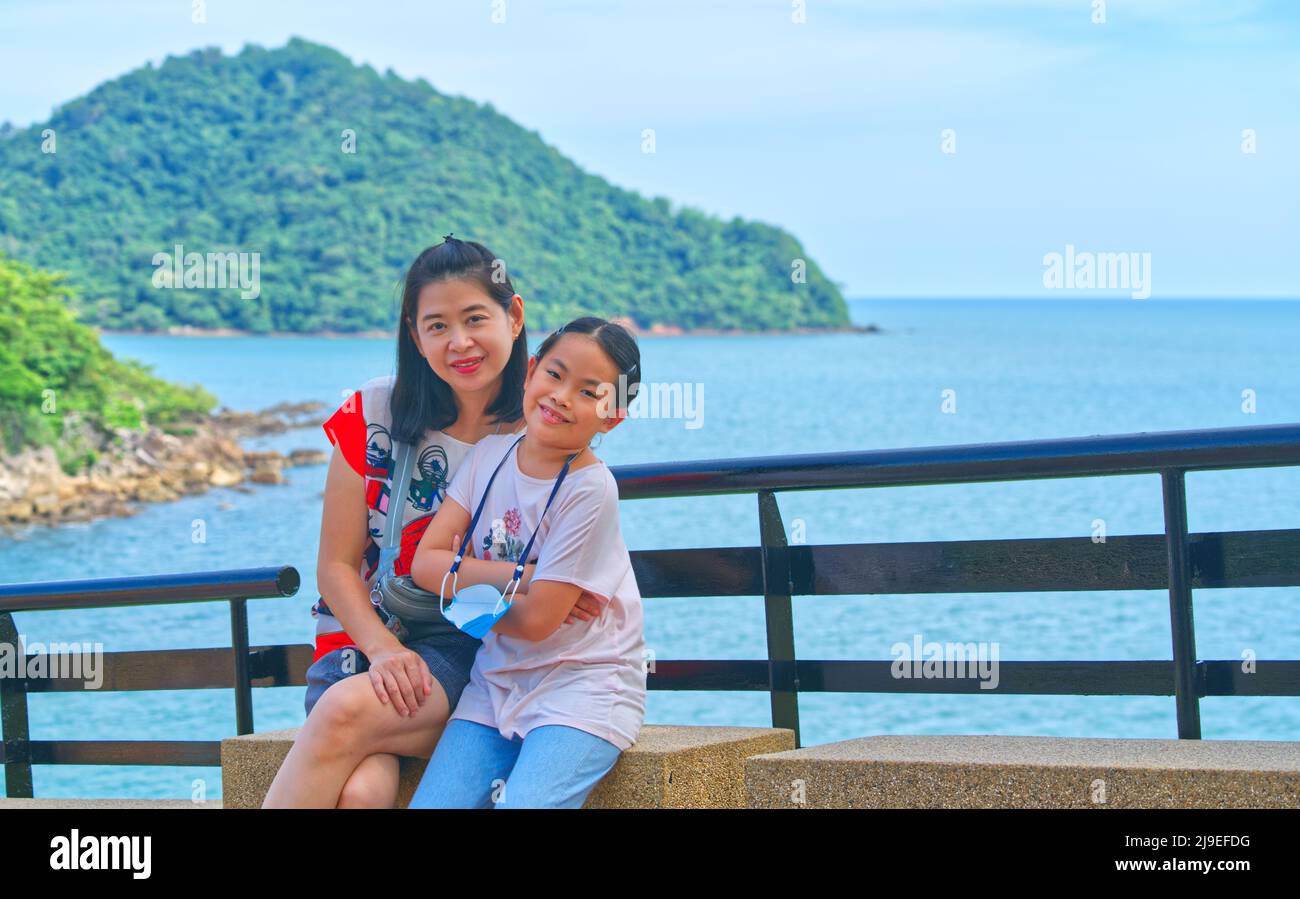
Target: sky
(917,148)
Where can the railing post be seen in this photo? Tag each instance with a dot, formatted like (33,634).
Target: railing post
(783,675)
(13,718)
(1186,688)
(243,683)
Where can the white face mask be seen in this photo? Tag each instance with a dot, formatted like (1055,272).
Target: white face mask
(477,607)
(474,609)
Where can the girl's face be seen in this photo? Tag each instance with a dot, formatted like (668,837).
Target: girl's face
(562,392)
(464,334)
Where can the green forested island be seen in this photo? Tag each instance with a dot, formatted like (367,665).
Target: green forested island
(60,387)
(336,176)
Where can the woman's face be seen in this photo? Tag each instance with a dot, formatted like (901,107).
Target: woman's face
(464,335)
(563,393)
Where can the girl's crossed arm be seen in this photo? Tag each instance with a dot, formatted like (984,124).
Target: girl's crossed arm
(540,613)
(580,559)
(437,551)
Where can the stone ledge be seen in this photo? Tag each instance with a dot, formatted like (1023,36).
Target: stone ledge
(670,766)
(1028,772)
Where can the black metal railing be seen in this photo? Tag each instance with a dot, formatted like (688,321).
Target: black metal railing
(176,669)
(1174,560)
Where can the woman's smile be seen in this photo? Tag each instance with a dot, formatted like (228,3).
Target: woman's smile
(467,366)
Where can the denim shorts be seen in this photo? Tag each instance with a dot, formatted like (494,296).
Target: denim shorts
(450,656)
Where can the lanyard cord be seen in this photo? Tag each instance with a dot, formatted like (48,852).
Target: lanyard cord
(469,533)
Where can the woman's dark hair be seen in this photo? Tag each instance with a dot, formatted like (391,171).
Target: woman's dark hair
(617,342)
(421,400)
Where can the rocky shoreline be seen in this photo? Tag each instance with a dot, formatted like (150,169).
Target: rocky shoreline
(151,466)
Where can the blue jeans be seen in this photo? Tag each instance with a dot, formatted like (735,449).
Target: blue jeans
(473,766)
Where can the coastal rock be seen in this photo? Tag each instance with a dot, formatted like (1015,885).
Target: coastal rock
(159,444)
(267,474)
(45,503)
(149,466)
(225,477)
(174,479)
(263,458)
(274,420)
(153,490)
(70,489)
(307,457)
(16,512)
(95,506)
(198,472)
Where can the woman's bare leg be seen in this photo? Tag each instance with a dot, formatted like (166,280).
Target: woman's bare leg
(347,725)
(373,784)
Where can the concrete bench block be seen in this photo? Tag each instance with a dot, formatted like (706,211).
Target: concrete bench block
(1027,772)
(249,764)
(670,766)
(674,766)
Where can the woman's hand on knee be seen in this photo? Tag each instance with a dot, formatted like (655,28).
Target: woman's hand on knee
(402,677)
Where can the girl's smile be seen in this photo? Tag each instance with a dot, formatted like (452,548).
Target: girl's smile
(551,416)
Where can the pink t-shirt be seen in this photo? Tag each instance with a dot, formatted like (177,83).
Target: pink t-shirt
(589,675)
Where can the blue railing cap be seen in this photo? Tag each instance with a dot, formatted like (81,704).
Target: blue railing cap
(197,586)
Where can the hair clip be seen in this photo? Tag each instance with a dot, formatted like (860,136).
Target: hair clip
(447,237)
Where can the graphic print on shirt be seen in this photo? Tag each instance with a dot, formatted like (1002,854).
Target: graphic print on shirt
(379,470)
(431,485)
(503,539)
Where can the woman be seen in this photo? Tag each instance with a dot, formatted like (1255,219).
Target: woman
(462,353)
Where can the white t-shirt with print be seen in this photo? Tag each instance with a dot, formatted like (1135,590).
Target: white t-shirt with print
(437,458)
(589,675)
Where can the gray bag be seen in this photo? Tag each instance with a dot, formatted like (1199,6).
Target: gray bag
(410,612)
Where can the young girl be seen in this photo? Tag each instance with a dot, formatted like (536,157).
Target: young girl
(462,353)
(550,704)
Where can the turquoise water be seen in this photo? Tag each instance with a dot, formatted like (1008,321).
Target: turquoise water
(1020,370)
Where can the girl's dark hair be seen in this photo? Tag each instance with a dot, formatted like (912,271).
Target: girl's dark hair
(617,342)
(421,400)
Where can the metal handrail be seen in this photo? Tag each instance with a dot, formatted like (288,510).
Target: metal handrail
(1255,446)
(153,589)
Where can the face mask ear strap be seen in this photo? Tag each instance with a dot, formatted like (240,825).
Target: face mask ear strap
(442,588)
(455,580)
(512,588)
(465,543)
